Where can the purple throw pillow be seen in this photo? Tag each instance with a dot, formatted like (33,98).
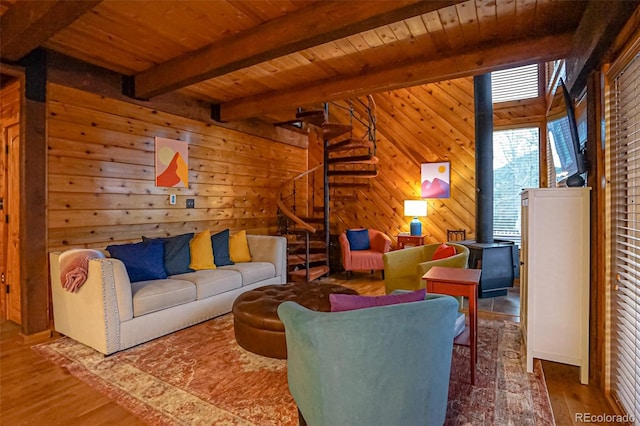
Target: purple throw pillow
(350,302)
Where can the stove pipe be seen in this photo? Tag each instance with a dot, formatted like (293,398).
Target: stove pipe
(484,157)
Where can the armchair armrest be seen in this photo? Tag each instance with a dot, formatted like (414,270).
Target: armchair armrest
(346,251)
(401,263)
(457,261)
(379,241)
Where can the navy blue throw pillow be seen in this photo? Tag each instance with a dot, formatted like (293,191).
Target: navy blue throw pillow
(220,245)
(358,239)
(177,255)
(143,261)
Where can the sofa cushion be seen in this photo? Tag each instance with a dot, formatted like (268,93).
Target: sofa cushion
(253,272)
(443,251)
(348,302)
(358,239)
(143,261)
(212,281)
(201,251)
(366,260)
(177,256)
(239,247)
(220,245)
(156,295)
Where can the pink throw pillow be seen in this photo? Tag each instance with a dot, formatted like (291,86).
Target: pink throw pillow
(443,252)
(350,302)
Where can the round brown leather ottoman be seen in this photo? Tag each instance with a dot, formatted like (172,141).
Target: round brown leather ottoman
(256,324)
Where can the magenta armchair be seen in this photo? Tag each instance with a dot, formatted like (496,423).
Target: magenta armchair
(365,260)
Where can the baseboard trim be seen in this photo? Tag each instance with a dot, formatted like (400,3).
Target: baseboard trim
(35,337)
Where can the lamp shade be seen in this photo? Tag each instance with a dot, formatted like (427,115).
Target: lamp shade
(415,208)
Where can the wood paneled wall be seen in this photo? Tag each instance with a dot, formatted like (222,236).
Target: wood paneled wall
(428,123)
(421,124)
(101,174)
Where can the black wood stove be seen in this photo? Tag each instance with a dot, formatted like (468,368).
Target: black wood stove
(498,259)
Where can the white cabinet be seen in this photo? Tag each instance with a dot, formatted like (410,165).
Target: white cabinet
(554,279)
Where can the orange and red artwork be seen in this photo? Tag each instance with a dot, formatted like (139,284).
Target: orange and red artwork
(172,163)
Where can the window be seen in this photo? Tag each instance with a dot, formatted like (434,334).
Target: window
(515,84)
(624,158)
(560,140)
(515,167)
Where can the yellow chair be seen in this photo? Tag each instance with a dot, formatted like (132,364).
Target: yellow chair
(403,269)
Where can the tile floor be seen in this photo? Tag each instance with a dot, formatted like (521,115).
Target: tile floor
(508,305)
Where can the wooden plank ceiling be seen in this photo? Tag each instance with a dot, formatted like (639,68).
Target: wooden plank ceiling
(266,58)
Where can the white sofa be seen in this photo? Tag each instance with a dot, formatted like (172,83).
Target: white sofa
(109,313)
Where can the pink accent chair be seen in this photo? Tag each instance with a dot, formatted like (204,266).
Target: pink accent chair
(365,260)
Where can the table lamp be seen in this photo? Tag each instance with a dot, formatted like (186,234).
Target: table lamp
(415,208)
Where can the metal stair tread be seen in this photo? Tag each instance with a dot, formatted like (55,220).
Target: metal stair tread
(311,116)
(312,244)
(300,258)
(333,130)
(349,144)
(348,185)
(314,273)
(354,173)
(312,219)
(355,159)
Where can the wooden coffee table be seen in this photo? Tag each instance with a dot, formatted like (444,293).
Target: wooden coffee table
(459,282)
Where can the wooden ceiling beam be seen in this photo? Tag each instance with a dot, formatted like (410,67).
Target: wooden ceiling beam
(598,28)
(27,24)
(411,73)
(310,26)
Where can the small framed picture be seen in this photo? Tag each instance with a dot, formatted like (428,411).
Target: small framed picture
(172,163)
(436,178)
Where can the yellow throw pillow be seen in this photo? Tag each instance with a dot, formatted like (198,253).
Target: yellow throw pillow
(201,251)
(239,247)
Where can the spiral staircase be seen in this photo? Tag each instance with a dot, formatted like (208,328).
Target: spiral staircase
(304,201)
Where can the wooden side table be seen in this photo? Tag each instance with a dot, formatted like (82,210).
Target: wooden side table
(459,282)
(406,240)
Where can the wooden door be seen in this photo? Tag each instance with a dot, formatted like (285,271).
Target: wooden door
(12,225)
(4,148)
(9,204)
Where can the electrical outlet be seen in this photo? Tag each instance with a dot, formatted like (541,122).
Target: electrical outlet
(191,203)
(172,199)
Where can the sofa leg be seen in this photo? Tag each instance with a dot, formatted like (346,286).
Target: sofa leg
(348,275)
(382,273)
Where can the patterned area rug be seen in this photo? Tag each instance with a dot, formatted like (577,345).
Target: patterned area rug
(201,376)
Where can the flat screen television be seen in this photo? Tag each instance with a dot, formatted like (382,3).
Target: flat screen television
(569,157)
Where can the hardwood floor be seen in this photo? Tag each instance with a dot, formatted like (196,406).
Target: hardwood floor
(34,391)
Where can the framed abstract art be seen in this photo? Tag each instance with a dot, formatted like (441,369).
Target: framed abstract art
(172,163)
(435,180)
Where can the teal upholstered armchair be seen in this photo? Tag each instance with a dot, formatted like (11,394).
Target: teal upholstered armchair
(384,366)
(403,269)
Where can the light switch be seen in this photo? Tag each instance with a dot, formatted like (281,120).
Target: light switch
(172,199)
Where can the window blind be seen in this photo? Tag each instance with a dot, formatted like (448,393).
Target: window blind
(515,167)
(515,84)
(625,238)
